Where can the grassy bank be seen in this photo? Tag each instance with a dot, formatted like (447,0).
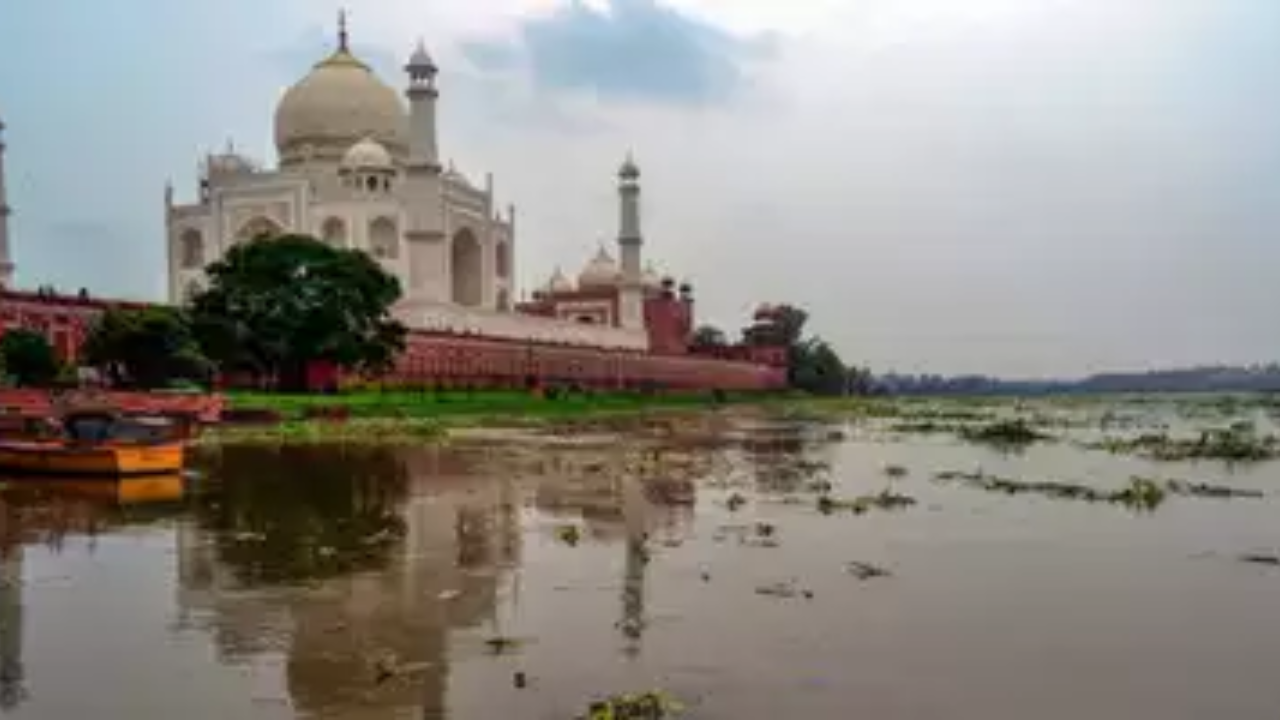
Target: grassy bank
(401,404)
(400,417)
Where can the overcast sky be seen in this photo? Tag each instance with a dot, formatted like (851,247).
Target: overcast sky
(1020,187)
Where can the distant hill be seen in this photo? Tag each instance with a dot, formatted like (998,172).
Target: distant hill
(1209,379)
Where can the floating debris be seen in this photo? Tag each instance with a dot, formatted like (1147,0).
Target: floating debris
(866,571)
(520,680)
(1267,559)
(895,471)
(500,645)
(735,501)
(782,589)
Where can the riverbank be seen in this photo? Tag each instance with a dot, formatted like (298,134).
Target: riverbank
(407,417)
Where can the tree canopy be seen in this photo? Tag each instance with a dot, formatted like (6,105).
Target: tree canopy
(813,365)
(146,348)
(708,336)
(274,305)
(28,358)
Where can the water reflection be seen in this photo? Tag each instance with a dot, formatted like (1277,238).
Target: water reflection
(353,583)
(394,550)
(44,512)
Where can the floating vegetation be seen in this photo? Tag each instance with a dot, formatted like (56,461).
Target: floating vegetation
(884,500)
(569,535)
(924,427)
(1191,489)
(1004,432)
(654,705)
(895,471)
(1139,494)
(361,431)
(735,502)
(1239,443)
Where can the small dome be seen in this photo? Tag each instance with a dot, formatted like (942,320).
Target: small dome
(601,271)
(559,283)
(368,154)
(651,277)
(421,60)
(339,102)
(629,169)
(228,163)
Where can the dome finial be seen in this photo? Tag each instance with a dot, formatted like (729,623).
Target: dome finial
(342,30)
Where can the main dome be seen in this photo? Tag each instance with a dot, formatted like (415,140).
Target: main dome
(337,104)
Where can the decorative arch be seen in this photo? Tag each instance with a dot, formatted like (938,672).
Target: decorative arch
(334,232)
(502,260)
(384,240)
(466,269)
(259,227)
(504,300)
(191,249)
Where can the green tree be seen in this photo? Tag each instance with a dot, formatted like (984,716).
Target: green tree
(780,325)
(28,358)
(813,365)
(817,368)
(276,304)
(708,336)
(146,348)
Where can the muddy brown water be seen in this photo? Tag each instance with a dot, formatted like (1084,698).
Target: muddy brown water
(369,583)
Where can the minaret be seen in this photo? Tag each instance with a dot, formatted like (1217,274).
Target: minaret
(6,259)
(422,191)
(422,94)
(631,300)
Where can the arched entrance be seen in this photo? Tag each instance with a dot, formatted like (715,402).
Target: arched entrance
(383,240)
(259,228)
(192,247)
(334,232)
(466,269)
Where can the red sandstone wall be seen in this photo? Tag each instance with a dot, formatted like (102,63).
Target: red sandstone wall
(450,359)
(484,362)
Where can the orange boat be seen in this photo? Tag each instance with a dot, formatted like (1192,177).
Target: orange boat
(99,443)
(168,487)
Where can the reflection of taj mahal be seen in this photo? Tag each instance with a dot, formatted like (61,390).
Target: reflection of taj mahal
(358,169)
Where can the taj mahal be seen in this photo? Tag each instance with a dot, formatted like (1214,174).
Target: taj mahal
(359,168)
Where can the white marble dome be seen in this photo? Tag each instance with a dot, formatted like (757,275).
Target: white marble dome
(337,104)
(559,283)
(368,154)
(601,271)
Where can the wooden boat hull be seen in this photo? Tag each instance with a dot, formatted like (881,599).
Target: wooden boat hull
(98,460)
(168,487)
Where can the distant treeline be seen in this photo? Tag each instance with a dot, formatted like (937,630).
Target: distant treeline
(1255,378)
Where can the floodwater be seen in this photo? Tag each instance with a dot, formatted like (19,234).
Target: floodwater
(326,582)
